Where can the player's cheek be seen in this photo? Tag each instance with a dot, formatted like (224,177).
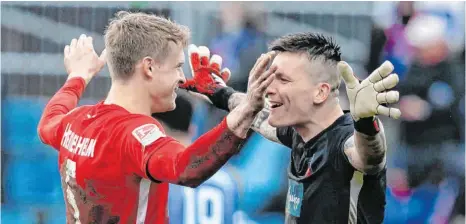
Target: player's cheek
(287,101)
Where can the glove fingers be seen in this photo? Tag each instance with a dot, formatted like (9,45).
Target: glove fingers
(388,97)
(216,64)
(194,58)
(386,83)
(225,74)
(381,72)
(346,72)
(204,53)
(390,112)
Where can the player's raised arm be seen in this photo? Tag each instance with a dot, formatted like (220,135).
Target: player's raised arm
(366,149)
(226,98)
(81,63)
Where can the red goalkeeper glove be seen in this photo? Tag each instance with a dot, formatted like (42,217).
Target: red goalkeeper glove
(208,79)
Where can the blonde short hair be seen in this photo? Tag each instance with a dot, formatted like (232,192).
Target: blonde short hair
(132,36)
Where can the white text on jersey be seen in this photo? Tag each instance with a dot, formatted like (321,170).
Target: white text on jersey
(77,144)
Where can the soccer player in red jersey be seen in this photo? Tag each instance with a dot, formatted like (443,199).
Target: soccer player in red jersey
(115,160)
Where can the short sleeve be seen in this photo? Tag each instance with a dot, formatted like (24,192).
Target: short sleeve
(285,136)
(138,134)
(340,159)
(341,151)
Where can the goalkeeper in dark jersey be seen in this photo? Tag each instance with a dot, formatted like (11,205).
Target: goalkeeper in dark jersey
(328,144)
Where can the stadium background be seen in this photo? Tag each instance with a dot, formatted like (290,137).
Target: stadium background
(426,147)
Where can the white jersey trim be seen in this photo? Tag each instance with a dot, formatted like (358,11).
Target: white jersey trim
(144,187)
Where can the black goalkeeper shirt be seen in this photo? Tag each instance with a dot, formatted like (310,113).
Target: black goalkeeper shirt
(319,175)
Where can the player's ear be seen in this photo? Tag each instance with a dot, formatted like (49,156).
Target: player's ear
(148,67)
(322,92)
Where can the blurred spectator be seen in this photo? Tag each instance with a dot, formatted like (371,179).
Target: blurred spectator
(424,40)
(432,90)
(388,38)
(427,203)
(240,41)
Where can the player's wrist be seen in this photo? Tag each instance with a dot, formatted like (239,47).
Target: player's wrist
(84,76)
(240,119)
(77,79)
(368,125)
(221,97)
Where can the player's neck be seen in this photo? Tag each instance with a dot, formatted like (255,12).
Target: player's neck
(130,96)
(320,120)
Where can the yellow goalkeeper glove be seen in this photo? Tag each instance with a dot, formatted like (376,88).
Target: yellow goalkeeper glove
(366,97)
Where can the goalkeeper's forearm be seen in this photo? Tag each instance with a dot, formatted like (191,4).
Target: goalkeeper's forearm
(370,144)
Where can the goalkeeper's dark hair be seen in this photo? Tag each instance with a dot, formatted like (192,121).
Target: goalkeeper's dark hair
(318,48)
(316,45)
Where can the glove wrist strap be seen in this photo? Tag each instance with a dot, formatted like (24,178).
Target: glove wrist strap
(368,126)
(221,96)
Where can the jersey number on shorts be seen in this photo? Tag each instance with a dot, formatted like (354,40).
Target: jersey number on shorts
(70,176)
(200,200)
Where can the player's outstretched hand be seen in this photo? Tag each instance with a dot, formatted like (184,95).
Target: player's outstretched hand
(366,98)
(259,79)
(81,60)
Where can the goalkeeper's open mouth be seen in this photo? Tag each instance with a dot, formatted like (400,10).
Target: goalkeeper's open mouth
(274,105)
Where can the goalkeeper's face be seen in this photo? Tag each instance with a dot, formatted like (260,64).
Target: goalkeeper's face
(292,94)
(165,77)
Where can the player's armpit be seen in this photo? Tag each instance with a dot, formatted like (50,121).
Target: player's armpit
(65,100)
(191,166)
(365,153)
